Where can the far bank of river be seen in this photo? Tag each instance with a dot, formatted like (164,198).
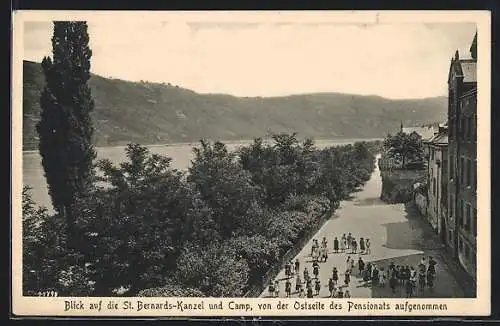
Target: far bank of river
(181,154)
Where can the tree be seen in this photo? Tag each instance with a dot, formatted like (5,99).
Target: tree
(65,129)
(405,147)
(226,188)
(135,227)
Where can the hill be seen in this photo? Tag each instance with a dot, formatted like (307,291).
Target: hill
(152,113)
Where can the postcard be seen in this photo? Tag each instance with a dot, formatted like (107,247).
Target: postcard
(256,163)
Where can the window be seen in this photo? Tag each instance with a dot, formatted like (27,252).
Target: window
(474,222)
(461,170)
(471,128)
(461,128)
(460,213)
(468,180)
(466,251)
(451,213)
(465,131)
(452,170)
(474,174)
(467,220)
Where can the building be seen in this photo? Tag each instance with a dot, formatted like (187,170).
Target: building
(426,132)
(437,168)
(462,165)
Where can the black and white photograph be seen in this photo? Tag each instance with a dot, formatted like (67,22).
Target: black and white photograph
(220,155)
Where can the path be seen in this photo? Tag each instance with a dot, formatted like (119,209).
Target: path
(396,235)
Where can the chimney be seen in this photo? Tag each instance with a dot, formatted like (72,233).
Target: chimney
(457,56)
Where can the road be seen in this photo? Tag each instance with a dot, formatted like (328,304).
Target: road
(397,235)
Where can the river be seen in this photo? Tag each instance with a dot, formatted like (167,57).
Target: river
(181,155)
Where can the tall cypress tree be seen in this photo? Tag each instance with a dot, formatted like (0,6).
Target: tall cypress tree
(65,129)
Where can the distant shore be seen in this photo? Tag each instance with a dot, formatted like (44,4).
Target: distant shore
(229,142)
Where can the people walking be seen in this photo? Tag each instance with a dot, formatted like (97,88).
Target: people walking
(317,286)
(288,288)
(336,245)
(382,277)
(335,276)
(392,283)
(354,245)
(331,286)
(368,246)
(309,292)
(271,288)
(324,254)
(306,273)
(348,262)
(313,246)
(347,294)
(432,266)
(288,271)
(375,274)
(315,266)
(409,289)
(347,277)
(297,266)
(349,239)
(361,266)
(276,288)
(361,246)
(343,243)
(298,284)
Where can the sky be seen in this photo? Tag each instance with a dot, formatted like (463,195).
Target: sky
(398,60)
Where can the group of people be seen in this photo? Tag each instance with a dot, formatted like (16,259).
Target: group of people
(347,243)
(403,277)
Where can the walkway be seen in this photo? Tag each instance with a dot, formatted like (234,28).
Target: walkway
(396,235)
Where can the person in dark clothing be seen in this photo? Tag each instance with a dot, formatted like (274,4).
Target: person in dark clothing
(298,284)
(347,277)
(316,271)
(331,286)
(336,245)
(309,292)
(392,283)
(288,270)
(317,287)
(361,266)
(432,265)
(288,288)
(335,275)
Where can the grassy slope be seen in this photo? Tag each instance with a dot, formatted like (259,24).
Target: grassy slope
(151,113)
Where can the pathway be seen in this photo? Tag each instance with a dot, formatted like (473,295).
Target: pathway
(396,235)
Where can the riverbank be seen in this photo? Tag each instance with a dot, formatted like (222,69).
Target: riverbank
(324,141)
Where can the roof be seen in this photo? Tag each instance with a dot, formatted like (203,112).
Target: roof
(469,70)
(466,68)
(439,139)
(425,132)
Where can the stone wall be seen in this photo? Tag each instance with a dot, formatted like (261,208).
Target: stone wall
(397,185)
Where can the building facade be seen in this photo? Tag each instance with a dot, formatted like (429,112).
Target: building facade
(437,179)
(462,138)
